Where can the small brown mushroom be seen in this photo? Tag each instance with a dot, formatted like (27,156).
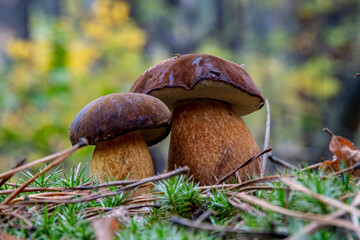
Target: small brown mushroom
(207,95)
(122,125)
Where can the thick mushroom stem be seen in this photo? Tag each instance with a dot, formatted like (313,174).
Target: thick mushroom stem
(211,139)
(123,157)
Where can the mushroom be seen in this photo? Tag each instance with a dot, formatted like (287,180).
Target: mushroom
(207,95)
(122,126)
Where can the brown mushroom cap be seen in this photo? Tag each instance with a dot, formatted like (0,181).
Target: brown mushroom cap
(195,76)
(116,114)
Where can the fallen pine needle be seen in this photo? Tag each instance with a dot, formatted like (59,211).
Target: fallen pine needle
(132,186)
(316,225)
(9,173)
(225,230)
(321,218)
(18,164)
(333,202)
(243,165)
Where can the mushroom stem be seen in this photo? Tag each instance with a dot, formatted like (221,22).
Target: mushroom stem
(212,140)
(122,157)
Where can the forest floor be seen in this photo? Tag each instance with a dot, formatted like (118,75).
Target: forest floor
(313,202)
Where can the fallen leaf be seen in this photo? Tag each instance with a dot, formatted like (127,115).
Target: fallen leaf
(105,228)
(344,151)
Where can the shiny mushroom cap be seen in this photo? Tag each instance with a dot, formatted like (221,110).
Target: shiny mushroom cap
(116,114)
(194,76)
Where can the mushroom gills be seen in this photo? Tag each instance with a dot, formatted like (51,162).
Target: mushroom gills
(212,140)
(122,158)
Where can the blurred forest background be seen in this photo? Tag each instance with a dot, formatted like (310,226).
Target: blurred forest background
(58,55)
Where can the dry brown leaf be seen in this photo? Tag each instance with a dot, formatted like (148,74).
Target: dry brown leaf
(344,151)
(105,228)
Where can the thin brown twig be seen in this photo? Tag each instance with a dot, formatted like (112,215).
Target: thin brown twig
(49,195)
(47,168)
(333,202)
(18,164)
(245,207)
(224,230)
(55,189)
(333,222)
(220,186)
(144,200)
(127,208)
(311,167)
(346,196)
(224,158)
(317,225)
(348,169)
(35,189)
(15,206)
(267,139)
(11,184)
(203,216)
(82,143)
(258,180)
(243,165)
(281,162)
(103,185)
(132,186)
(21,217)
(19,190)
(244,189)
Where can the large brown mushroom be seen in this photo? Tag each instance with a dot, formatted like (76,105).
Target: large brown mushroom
(207,95)
(122,126)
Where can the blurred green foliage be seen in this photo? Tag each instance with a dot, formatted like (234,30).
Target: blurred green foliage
(68,62)
(299,53)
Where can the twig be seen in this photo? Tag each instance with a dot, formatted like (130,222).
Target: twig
(351,168)
(16,215)
(333,202)
(115,211)
(355,221)
(33,198)
(127,188)
(11,184)
(317,225)
(65,154)
(9,173)
(224,158)
(333,222)
(27,183)
(36,189)
(223,230)
(18,164)
(109,184)
(260,188)
(267,139)
(203,216)
(311,167)
(219,186)
(258,180)
(55,189)
(281,162)
(246,207)
(243,165)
